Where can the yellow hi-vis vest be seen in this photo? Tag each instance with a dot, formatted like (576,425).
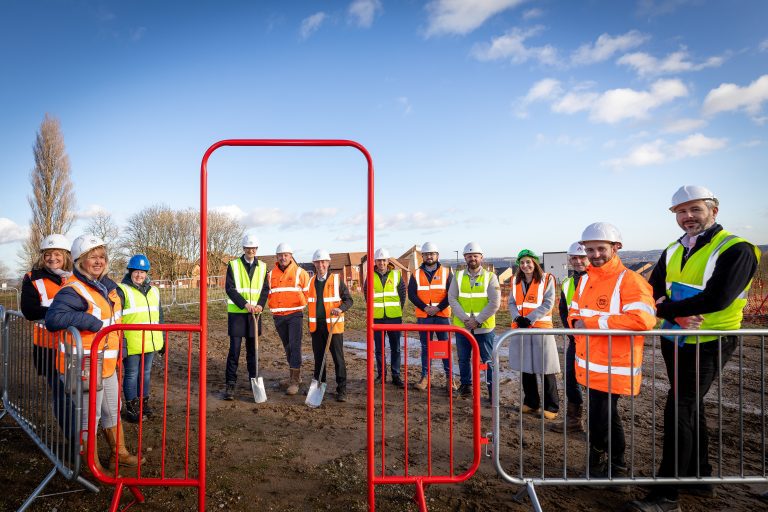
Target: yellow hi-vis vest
(385,297)
(331,299)
(568,290)
(141,309)
(474,298)
(249,288)
(697,271)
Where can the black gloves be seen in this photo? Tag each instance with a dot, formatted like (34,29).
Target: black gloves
(522,322)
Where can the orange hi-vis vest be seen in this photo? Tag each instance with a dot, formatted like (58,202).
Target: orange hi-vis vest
(527,302)
(432,292)
(108,312)
(612,297)
(47,289)
(287,289)
(331,299)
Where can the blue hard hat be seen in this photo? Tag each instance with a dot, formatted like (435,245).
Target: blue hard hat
(138,262)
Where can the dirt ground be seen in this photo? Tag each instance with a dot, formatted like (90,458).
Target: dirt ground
(283,456)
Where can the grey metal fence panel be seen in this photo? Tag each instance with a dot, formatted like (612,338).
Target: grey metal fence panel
(10,298)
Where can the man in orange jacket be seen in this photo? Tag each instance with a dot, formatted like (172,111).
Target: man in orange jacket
(609,296)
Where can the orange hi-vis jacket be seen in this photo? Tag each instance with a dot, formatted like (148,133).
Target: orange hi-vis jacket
(47,290)
(432,292)
(527,302)
(287,289)
(108,312)
(612,297)
(331,299)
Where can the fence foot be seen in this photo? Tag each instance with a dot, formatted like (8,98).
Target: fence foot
(137,495)
(420,498)
(87,484)
(37,491)
(530,491)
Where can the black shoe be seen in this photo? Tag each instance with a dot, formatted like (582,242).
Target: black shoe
(397,381)
(702,490)
(653,503)
(149,412)
(465,390)
(229,392)
(378,380)
(131,413)
(341,394)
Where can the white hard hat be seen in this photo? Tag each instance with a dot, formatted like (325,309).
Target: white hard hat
(576,249)
(321,255)
(473,248)
(601,231)
(55,241)
(283,247)
(429,247)
(250,241)
(691,193)
(381,254)
(85,243)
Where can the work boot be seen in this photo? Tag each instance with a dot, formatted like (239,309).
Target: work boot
(149,412)
(397,381)
(702,490)
(84,461)
(465,390)
(132,411)
(341,393)
(422,384)
(295,381)
(116,441)
(573,422)
(450,384)
(229,392)
(653,503)
(527,409)
(598,463)
(377,380)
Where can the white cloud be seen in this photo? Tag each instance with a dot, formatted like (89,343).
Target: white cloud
(752,143)
(763,47)
(11,232)
(728,97)
(462,16)
(547,89)
(277,217)
(231,210)
(606,46)
(684,125)
(91,212)
(534,13)
(617,104)
(415,220)
(677,62)
(659,151)
(311,24)
(660,7)
(575,102)
(512,46)
(351,237)
(563,140)
(362,12)
(405,104)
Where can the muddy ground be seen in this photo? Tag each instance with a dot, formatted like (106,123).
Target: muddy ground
(282,456)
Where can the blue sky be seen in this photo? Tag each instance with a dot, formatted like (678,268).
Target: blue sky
(512,123)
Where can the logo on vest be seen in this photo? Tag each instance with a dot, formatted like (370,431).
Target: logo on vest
(602,302)
(530,298)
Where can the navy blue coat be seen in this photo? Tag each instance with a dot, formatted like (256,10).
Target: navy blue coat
(70,309)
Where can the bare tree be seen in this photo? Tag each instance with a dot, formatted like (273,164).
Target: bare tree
(5,272)
(225,236)
(103,226)
(52,200)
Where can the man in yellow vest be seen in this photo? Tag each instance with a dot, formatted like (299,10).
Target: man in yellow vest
(327,300)
(474,296)
(246,295)
(388,302)
(700,282)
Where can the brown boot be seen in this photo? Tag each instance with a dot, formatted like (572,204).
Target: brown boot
(572,424)
(84,460)
(116,439)
(293,387)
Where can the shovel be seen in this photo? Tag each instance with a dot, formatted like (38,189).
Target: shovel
(317,389)
(257,383)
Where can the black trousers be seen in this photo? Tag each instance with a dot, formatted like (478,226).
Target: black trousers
(233,358)
(319,339)
(531,392)
(290,329)
(599,423)
(691,458)
(572,387)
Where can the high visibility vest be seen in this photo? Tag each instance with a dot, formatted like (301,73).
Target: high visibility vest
(108,312)
(527,302)
(697,272)
(287,289)
(568,289)
(141,309)
(248,287)
(474,298)
(613,298)
(433,292)
(386,301)
(47,289)
(331,299)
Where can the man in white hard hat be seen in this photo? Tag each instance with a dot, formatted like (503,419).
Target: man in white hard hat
(428,291)
(329,291)
(245,286)
(474,296)
(578,261)
(701,281)
(287,285)
(388,302)
(609,296)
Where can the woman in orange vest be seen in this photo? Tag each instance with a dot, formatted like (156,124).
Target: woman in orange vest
(531,300)
(88,303)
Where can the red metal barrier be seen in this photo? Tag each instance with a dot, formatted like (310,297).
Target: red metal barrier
(437,350)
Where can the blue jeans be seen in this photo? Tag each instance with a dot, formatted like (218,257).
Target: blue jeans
(394,347)
(442,336)
(131,368)
(464,348)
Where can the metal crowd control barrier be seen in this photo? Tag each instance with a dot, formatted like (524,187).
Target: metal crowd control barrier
(10,298)
(737,398)
(165,287)
(410,434)
(46,404)
(171,462)
(186,294)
